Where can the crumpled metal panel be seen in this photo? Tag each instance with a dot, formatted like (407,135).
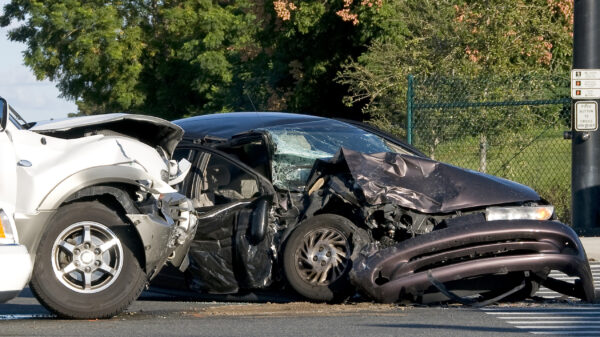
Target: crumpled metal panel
(150,130)
(421,184)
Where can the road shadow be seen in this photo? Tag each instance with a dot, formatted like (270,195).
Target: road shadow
(260,296)
(22,309)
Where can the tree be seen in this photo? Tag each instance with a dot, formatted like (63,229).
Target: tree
(167,58)
(458,38)
(301,47)
(176,58)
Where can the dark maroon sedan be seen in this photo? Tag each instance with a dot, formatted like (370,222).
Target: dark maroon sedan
(328,207)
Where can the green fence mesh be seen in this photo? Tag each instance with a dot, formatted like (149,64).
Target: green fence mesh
(508,126)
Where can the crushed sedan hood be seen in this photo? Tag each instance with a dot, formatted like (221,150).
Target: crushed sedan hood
(150,130)
(421,184)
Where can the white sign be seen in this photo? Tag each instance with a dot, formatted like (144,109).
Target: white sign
(586,116)
(585,83)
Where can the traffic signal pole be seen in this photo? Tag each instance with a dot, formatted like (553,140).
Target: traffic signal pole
(585,91)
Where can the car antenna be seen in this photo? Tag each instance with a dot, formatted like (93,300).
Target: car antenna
(253,107)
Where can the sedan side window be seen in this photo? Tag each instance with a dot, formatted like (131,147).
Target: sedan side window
(222,182)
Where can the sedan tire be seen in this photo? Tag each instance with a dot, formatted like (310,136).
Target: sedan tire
(316,258)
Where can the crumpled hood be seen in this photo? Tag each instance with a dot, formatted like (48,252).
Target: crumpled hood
(150,130)
(421,184)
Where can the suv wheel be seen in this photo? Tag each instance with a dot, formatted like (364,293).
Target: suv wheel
(86,266)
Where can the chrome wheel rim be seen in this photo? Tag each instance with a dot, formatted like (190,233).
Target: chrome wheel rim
(87,257)
(323,256)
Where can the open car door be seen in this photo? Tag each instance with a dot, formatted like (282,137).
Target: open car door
(231,249)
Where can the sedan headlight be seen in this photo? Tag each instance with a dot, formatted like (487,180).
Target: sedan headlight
(519,213)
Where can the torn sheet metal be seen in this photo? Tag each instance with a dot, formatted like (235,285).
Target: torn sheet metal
(421,184)
(460,253)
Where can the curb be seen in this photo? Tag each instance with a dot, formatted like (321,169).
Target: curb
(591,244)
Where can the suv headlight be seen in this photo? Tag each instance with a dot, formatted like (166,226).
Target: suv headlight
(6,230)
(519,213)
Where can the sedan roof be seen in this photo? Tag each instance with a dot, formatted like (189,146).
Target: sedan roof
(226,125)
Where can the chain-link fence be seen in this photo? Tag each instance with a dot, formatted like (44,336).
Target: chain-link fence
(508,126)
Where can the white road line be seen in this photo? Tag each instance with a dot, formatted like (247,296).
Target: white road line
(572,321)
(24,316)
(553,321)
(568,333)
(525,313)
(557,327)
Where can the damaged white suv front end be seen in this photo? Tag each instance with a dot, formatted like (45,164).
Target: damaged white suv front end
(97,210)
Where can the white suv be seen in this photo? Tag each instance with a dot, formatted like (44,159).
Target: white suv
(15,262)
(95,207)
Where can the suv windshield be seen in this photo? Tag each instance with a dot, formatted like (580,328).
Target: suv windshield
(297,146)
(16,119)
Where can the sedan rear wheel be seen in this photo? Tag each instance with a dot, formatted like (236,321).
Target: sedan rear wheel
(317,258)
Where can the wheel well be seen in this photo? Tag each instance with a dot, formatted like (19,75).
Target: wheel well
(338,207)
(117,197)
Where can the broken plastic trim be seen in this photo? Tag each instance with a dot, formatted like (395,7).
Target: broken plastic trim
(472,250)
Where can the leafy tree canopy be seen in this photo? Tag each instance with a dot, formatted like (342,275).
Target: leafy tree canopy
(175,58)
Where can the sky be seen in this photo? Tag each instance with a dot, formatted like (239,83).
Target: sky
(34,100)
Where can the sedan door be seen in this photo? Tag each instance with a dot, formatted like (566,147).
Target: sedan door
(232,246)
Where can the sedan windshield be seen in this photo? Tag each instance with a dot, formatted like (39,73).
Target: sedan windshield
(297,146)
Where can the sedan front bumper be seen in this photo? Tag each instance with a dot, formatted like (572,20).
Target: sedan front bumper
(462,252)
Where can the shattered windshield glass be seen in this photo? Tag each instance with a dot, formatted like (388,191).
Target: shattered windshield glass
(297,147)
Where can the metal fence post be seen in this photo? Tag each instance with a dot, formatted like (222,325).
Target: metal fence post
(586,143)
(409,110)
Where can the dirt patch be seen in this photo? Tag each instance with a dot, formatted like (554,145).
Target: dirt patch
(300,309)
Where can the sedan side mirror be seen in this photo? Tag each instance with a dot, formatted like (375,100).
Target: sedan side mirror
(4,120)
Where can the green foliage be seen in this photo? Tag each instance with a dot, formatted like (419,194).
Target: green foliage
(457,38)
(175,58)
(167,58)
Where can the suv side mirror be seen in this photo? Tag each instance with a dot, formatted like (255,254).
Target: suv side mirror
(4,119)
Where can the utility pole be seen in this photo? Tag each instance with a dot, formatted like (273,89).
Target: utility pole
(585,91)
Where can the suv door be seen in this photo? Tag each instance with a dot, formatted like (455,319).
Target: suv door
(232,246)
(8,165)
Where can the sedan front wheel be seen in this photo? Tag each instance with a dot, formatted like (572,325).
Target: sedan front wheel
(316,258)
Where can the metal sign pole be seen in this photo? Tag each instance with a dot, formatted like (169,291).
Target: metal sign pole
(585,91)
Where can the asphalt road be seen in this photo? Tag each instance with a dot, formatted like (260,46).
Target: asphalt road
(153,315)
(158,314)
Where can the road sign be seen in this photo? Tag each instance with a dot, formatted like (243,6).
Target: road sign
(585,83)
(586,116)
